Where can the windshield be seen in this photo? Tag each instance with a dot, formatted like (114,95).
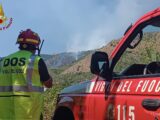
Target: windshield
(147,51)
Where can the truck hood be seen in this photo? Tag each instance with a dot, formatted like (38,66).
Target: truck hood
(83,87)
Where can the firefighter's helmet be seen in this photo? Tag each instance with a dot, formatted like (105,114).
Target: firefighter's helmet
(28,37)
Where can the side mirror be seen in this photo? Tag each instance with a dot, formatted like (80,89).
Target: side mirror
(100,64)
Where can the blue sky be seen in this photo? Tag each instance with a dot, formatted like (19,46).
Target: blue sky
(71,25)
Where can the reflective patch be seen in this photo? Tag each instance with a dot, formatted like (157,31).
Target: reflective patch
(32,40)
(28,40)
(30,71)
(20,89)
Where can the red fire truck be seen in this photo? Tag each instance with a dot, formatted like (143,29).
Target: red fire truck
(115,94)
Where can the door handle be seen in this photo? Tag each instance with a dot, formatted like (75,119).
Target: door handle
(151,104)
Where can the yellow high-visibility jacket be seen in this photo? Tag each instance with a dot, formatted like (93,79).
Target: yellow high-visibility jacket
(20,87)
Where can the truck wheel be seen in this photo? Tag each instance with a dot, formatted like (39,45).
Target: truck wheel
(63,114)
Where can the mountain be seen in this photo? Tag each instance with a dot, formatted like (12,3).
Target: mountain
(63,59)
(144,51)
(83,65)
(46,56)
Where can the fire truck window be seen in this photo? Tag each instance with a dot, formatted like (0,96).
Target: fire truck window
(134,61)
(135,69)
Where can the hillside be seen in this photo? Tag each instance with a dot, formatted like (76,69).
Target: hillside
(63,59)
(147,44)
(83,65)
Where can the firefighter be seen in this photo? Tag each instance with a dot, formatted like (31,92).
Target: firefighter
(22,77)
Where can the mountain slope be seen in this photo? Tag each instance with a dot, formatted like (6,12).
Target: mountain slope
(146,45)
(84,64)
(63,59)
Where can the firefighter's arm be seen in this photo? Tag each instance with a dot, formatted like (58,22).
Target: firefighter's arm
(45,78)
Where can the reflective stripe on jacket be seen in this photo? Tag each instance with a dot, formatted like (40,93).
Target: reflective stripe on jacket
(20,87)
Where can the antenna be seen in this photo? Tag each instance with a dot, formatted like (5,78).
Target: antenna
(39,50)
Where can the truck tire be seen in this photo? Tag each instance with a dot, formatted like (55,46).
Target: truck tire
(63,113)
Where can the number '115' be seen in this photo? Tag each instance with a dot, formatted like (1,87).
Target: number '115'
(123,109)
